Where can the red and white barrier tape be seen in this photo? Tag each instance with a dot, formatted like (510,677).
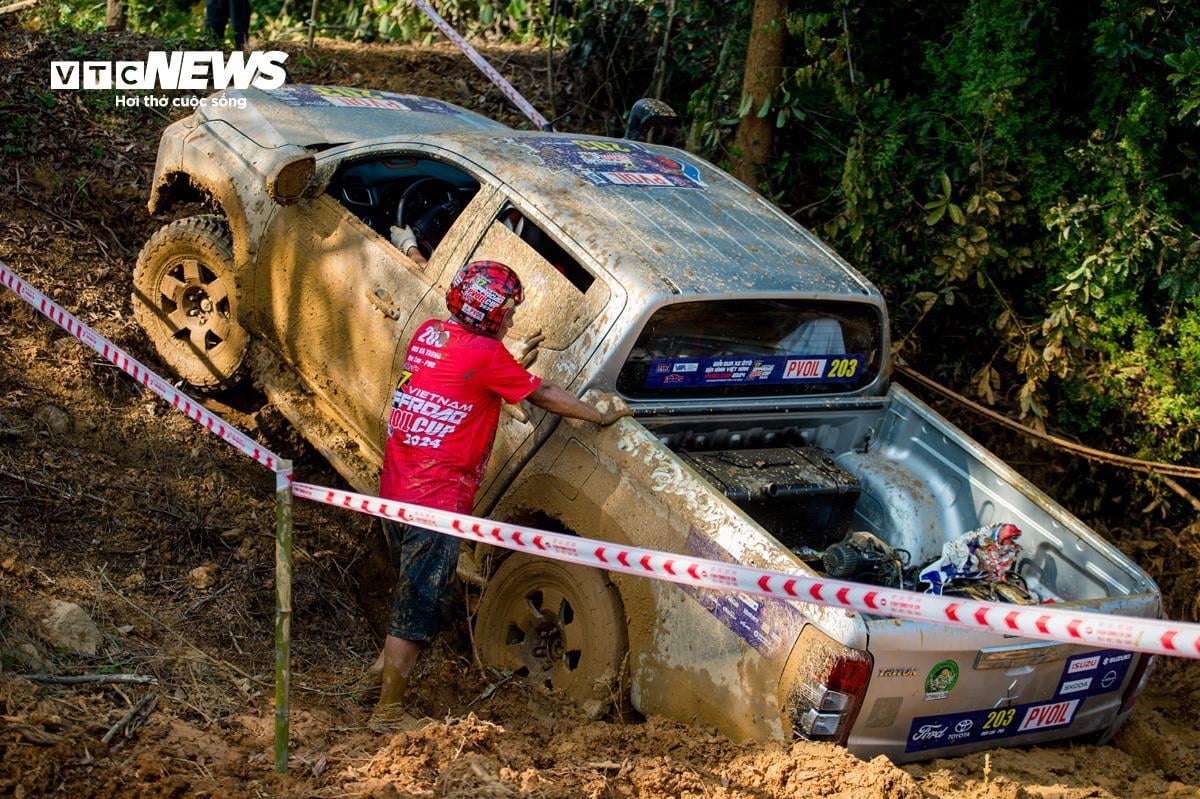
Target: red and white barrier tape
(1055,624)
(126,363)
(511,93)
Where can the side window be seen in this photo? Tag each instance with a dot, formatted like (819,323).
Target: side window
(410,201)
(561,297)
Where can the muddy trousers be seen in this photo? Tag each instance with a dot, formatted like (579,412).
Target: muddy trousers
(425,562)
(218,12)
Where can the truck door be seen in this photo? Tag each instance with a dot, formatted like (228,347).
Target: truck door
(339,298)
(570,304)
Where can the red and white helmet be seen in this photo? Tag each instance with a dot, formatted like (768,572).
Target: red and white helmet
(481,294)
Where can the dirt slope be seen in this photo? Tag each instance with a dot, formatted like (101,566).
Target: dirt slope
(164,537)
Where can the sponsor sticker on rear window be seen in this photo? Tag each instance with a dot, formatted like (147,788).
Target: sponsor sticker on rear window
(611,163)
(687,372)
(348,97)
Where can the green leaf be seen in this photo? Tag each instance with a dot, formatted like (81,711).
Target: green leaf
(766,108)
(744,108)
(956,214)
(945,184)
(933,218)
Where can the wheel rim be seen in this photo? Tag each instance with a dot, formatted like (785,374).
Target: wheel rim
(543,639)
(196,303)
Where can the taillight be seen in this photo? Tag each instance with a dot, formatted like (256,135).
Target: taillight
(828,687)
(1137,683)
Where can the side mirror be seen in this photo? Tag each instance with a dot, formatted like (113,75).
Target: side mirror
(648,113)
(291,180)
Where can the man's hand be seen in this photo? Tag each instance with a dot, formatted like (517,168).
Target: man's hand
(403,238)
(526,350)
(611,408)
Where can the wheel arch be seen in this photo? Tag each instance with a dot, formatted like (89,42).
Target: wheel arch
(541,501)
(180,186)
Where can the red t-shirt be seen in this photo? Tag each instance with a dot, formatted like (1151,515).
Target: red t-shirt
(444,415)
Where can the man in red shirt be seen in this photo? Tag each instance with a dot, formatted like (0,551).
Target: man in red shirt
(443,421)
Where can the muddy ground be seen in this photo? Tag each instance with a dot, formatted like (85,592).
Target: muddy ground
(164,537)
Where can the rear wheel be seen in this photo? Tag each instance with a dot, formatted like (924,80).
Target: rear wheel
(185,298)
(558,625)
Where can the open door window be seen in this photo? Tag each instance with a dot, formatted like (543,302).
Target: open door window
(561,296)
(563,303)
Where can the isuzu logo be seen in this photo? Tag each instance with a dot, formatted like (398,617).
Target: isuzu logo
(1086,664)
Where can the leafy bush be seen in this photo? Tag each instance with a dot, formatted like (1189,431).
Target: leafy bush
(1019,177)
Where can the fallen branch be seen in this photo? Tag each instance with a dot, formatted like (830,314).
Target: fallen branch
(79,679)
(134,718)
(33,735)
(17,6)
(1152,467)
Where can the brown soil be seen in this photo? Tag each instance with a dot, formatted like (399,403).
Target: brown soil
(109,500)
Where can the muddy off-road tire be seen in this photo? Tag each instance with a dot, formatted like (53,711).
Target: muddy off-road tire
(557,625)
(185,298)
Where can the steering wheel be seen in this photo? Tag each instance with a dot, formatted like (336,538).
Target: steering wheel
(428,207)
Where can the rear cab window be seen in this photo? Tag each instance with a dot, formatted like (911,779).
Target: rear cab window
(754,348)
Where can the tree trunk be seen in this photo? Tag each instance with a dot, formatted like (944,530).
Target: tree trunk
(764,62)
(114,17)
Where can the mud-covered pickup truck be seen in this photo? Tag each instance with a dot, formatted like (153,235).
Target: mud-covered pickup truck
(765,432)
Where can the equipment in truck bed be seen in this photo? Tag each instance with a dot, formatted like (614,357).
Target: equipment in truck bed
(798,493)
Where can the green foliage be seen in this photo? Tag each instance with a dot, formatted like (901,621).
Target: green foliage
(1019,177)
(1186,77)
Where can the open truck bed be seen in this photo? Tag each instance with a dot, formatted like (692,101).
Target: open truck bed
(916,482)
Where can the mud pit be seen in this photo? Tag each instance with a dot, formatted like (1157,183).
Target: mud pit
(164,537)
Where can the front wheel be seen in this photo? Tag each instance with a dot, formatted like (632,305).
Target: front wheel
(185,298)
(559,625)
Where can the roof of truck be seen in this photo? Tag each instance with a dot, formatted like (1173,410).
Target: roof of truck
(688,226)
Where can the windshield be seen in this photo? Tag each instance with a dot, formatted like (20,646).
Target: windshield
(741,348)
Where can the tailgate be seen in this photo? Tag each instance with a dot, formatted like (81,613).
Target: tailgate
(941,691)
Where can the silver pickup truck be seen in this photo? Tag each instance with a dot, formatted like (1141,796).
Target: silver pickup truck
(766,430)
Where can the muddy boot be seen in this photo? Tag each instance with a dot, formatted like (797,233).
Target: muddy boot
(399,657)
(389,713)
(392,718)
(366,685)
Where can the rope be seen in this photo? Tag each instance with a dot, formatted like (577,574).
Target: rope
(1151,467)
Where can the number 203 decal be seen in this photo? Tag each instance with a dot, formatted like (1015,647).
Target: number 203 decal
(842,367)
(999,719)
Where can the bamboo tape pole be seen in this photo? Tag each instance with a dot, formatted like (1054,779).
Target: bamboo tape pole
(283,610)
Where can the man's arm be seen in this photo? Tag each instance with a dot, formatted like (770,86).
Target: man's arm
(556,400)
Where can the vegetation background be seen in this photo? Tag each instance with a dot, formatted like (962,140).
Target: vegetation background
(1018,177)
